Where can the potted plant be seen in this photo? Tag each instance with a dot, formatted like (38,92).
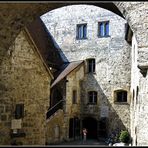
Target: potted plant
(124,137)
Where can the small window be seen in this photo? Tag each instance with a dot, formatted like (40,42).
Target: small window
(137,94)
(137,91)
(121,96)
(91,65)
(92,96)
(103,29)
(19,111)
(81,31)
(133,94)
(74,97)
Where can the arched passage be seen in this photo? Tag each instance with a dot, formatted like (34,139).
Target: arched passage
(15,16)
(20,14)
(91,125)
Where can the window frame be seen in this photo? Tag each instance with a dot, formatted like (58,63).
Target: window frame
(19,111)
(94,98)
(81,31)
(104,29)
(123,99)
(91,65)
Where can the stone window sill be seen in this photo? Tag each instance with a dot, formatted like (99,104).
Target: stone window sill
(121,103)
(104,36)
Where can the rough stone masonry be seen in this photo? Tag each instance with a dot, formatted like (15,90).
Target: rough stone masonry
(112,54)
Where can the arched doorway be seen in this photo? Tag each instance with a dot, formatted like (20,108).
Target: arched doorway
(91,125)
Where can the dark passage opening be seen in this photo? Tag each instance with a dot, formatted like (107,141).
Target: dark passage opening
(91,125)
(103,127)
(74,127)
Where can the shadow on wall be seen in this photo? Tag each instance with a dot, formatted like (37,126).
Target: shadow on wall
(110,114)
(47,46)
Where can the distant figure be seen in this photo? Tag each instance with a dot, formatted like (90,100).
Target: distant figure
(84,134)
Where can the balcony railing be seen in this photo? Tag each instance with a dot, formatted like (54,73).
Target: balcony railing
(53,109)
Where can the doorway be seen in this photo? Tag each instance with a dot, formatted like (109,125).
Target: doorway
(91,125)
(103,127)
(74,128)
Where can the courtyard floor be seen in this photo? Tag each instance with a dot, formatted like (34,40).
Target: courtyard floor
(80,143)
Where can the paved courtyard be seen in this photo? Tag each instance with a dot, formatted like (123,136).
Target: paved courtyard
(80,143)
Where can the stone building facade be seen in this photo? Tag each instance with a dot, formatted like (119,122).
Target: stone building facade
(19,14)
(112,64)
(27,76)
(138,94)
(66,89)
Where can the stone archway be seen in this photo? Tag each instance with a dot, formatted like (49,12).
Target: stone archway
(20,14)
(15,16)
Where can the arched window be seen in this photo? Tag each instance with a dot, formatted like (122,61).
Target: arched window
(92,97)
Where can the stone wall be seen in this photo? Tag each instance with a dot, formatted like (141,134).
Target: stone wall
(135,14)
(141,111)
(139,94)
(15,16)
(61,118)
(55,128)
(133,89)
(73,110)
(20,14)
(6,99)
(27,82)
(112,54)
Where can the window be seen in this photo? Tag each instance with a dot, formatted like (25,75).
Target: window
(92,96)
(19,111)
(121,96)
(74,97)
(133,94)
(137,94)
(91,65)
(128,33)
(103,29)
(81,31)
